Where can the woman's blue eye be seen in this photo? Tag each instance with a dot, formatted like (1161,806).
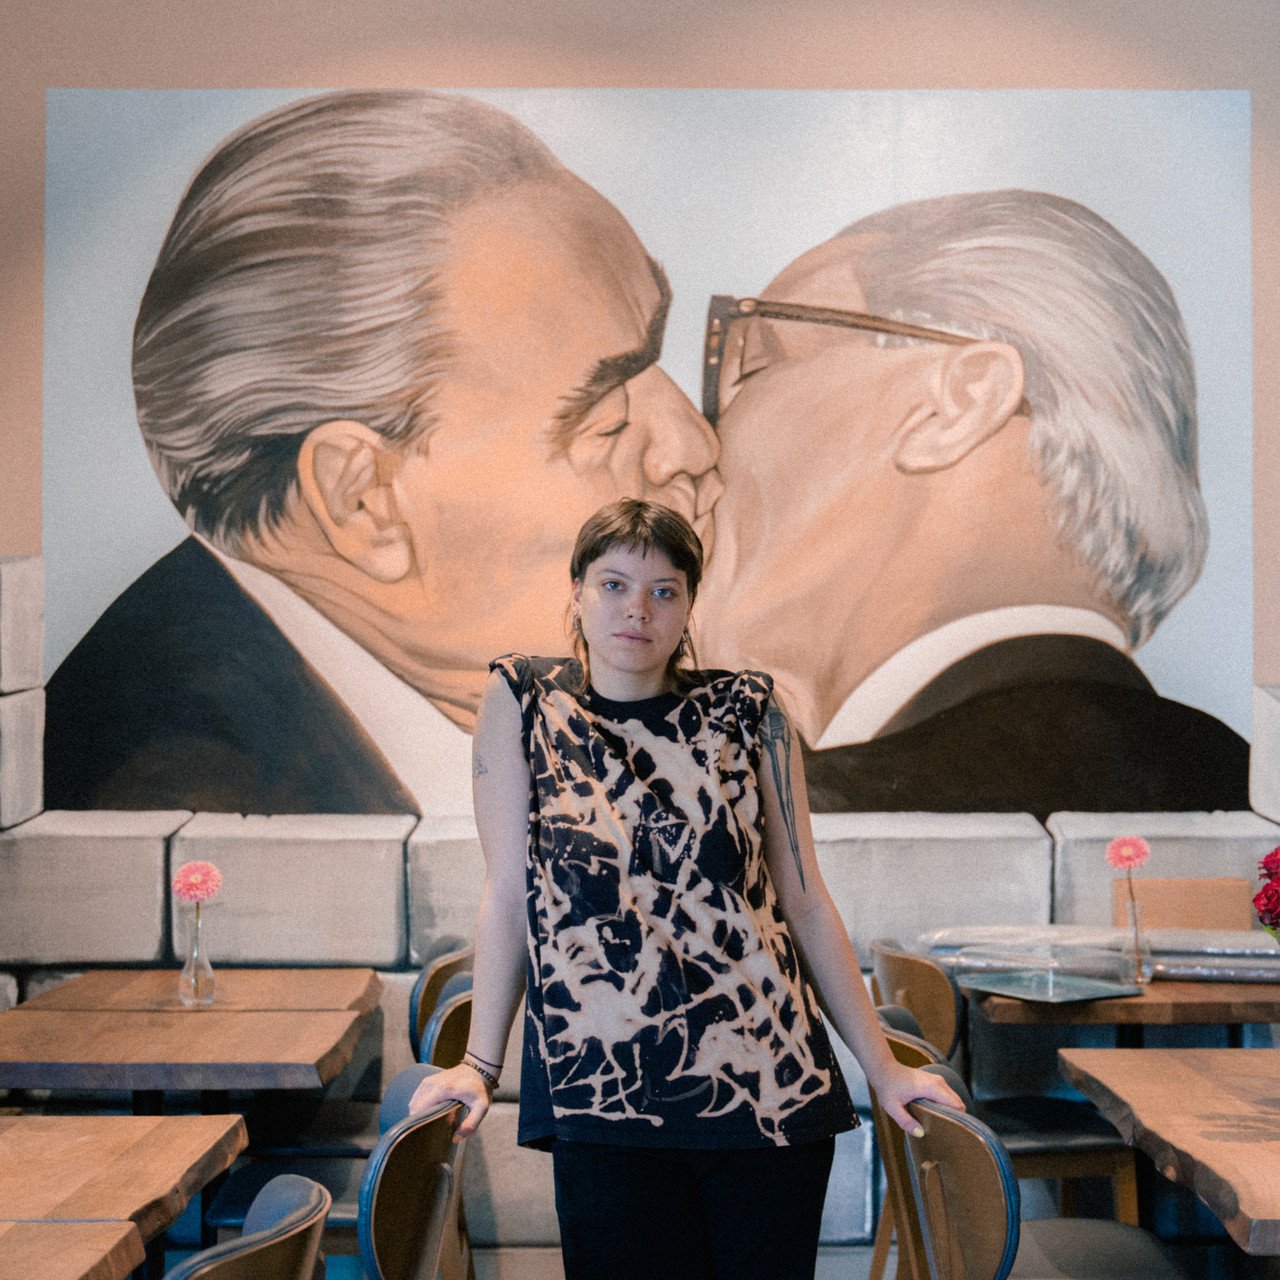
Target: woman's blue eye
(664,593)
(611,584)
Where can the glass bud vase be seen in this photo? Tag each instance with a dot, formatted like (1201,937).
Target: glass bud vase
(196,981)
(1137,947)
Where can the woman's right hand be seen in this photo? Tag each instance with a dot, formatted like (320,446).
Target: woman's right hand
(456,1084)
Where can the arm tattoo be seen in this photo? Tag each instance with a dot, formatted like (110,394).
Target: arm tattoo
(777,735)
(478,768)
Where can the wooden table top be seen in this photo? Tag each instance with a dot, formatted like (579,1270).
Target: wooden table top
(144,990)
(1159,1004)
(70,1250)
(191,1049)
(1208,1118)
(139,1169)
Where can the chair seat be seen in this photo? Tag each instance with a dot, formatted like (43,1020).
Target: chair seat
(339,1175)
(1089,1249)
(1032,1125)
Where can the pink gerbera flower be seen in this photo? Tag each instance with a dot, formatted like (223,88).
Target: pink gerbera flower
(196,881)
(1126,852)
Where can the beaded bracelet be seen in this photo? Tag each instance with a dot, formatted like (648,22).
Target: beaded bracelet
(487,1076)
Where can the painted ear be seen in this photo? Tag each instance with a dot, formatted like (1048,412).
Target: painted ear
(977,389)
(344,474)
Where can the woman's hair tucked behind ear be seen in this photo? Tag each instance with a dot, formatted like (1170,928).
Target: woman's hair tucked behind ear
(644,527)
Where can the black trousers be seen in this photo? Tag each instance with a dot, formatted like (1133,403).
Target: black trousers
(641,1213)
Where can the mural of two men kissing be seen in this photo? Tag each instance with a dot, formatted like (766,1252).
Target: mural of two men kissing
(392,352)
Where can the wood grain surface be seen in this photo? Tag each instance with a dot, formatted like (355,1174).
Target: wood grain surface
(69,1250)
(191,1049)
(1159,1004)
(144,990)
(139,1169)
(1208,1118)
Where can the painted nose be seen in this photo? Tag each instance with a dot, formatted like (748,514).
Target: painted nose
(678,440)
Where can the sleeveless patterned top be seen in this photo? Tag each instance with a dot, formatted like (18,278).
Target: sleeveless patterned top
(665,1000)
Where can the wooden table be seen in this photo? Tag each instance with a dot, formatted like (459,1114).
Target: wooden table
(135,1172)
(1208,1118)
(125,1029)
(1160,1004)
(70,1250)
(242,990)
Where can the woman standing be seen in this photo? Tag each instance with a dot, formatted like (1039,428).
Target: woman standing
(650,877)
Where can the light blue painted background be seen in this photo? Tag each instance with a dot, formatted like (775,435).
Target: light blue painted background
(724,187)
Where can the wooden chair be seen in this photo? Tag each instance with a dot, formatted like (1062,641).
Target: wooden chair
(427,990)
(966,1203)
(916,983)
(281,1238)
(408,1212)
(1171,902)
(1049,1137)
(343,1178)
(444,1039)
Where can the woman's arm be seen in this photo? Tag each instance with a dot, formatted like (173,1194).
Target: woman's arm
(500,788)
(818,931)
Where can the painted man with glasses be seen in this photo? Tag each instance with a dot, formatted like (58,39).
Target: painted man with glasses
(959,448)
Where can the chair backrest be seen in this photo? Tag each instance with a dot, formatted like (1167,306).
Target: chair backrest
(966,1195)
(427,989)
(407,1227)
(444,1040)
(921,985)
(280,1240)
(914,1052)
(1172,902)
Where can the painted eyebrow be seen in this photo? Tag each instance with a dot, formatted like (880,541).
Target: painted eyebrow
(613,371)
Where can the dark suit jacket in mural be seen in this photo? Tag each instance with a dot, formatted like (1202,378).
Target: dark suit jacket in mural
(185,695)
(1037,725)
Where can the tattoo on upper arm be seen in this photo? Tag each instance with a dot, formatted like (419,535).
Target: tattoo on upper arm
(478,768)
(777,742)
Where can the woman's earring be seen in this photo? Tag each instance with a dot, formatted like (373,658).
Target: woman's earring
(683,647)
(577,622)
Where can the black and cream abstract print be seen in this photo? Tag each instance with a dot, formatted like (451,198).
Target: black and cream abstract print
(666,1004)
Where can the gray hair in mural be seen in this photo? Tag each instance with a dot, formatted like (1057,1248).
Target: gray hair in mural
(299,283)
(1108,369)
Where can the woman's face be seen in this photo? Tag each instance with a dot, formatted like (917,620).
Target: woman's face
(633,606)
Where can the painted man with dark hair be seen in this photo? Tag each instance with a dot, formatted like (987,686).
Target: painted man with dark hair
(391,355)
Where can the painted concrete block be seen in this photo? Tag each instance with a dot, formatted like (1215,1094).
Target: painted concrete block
(1182,844)
(21,623)
(446,875)
(848,1216)
(85,887)
(1264,752)
(298,888)
(393,1000)
(508,1193)
(896,875)
(21,756)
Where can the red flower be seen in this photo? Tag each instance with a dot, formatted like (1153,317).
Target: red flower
(1266,902)
(1270,865)
(197,881)
(1126,852)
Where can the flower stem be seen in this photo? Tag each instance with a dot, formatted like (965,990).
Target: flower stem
(1133,920)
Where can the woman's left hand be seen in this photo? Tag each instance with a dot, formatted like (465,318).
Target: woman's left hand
(900,1085)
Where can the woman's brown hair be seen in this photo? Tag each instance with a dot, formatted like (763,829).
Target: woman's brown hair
(640,526)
